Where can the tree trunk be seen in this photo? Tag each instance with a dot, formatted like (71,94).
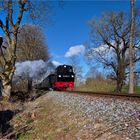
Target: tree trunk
(7,82)
(9,69)
(10,29)
(6,91)
(7,79)
(119,86)
(1,87)
(131,50)
(120,75)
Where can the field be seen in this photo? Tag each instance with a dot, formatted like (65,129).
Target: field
(103,86)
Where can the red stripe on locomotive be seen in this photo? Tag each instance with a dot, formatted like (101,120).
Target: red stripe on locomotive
(63,85)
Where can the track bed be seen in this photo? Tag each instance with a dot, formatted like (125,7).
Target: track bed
(107,116)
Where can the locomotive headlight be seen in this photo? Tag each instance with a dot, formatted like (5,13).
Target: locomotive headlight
(59,75)
(72,75)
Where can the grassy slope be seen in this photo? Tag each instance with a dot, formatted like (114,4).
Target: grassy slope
(57,122)
(51,123)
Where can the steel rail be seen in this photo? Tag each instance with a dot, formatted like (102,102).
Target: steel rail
(135,95)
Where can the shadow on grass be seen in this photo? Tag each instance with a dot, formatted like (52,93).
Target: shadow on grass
(5,127)
(5,117)
(21,96)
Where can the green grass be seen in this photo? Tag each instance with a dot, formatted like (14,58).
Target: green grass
(136,89)
(23,136)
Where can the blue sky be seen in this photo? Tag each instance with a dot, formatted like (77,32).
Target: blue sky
(70,29)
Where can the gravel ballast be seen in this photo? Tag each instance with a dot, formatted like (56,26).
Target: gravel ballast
(119,117)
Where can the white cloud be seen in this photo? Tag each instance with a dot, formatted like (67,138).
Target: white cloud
(101,48)
(75,50)
(56,63)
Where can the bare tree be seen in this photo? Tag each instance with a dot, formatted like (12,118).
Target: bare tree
(131,49)
(31,44)
(112,32)
(13,12)
(77,68)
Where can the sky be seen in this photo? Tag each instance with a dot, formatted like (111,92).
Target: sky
(69,30)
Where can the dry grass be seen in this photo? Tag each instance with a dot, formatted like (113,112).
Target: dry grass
(97,86)
(51,123)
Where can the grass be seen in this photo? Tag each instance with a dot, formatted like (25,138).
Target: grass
(23,136)
(97,86)
(38,128)
(55,122)
(103,86)
(51,124)
(136,89)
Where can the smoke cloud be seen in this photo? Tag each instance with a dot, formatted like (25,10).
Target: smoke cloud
(33,69)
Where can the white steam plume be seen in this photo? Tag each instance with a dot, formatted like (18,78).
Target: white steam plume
(34,69)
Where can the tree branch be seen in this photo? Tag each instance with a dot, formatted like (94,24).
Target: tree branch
(5,29)
(21,6)
(105,61)
(10,12)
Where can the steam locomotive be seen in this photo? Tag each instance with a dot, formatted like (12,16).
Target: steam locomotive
(61,79)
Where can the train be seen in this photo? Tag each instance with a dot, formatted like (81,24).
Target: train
(62,79)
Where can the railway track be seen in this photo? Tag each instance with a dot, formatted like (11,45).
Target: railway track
(135,96)
(117,95)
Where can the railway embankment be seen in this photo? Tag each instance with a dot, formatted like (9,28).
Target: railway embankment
(108,116)
(63,115)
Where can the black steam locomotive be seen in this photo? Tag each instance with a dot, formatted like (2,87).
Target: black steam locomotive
(61,79)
